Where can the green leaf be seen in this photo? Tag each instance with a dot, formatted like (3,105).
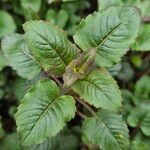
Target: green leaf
(50,144)
(30,8)
(99,89)
(110,31)
(17,54)
(127,103)
(107,130)
(140,117)
(114,70)
(136,145)
(43,112)
(144,6)
(59,142)
(51,47)
(51,1)
(140,137)
(20,86)
(1,94)
(51,16)
(7,24)
(2,131)
(131,2)
(3,62)
(136,61)
(126,73)
(60,19)
(11,142)
(142,90)
(106,3)
(142,42)
(2,80)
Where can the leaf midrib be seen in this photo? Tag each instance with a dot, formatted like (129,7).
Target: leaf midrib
(108,130)
(109,34)
(51,45)
(42,114)
(102,123)
(86,80)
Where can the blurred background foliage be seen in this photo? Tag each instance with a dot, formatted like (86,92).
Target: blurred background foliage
(132,73)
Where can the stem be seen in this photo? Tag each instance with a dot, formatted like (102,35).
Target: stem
(81,115)
(86,106)
(134,132)
(57,81)
(146,19)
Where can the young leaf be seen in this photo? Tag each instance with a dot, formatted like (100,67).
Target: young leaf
(110,31)
(50,46)
(140,117)
(107,130)
(43,112)
(79,68)
(99,89)
(7,24)
(17,54)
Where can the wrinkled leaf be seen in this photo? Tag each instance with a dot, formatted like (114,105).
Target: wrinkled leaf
(99,89)
(51,47)
(18,57)
(110,31)
(43,112)
(107,130)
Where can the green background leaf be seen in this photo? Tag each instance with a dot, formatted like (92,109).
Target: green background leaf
(142,43)
(17,54)
(7,24)
(140,117)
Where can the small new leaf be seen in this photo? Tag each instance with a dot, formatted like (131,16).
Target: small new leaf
(79,68)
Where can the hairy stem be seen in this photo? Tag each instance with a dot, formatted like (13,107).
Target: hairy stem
(133,133)
(57,81)
(81,115)
(86,106)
